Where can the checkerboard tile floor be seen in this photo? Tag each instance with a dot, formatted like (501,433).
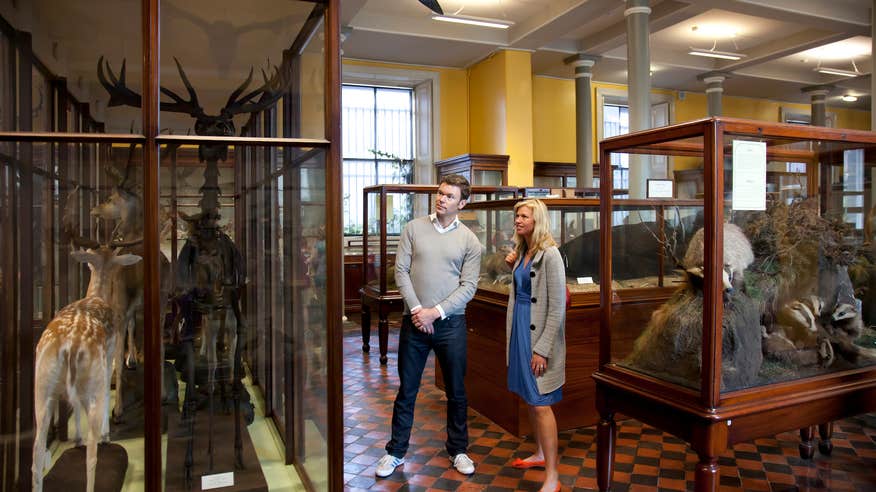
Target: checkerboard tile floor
(646,459)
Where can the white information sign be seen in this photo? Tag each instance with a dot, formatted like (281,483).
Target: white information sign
(749,175)
(659,188)
(217,480)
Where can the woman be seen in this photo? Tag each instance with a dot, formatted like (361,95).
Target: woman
(535,329)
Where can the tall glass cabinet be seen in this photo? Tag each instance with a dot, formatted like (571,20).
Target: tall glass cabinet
(178,204)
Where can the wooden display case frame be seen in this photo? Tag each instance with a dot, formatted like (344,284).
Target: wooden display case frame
(469,164)
(707,418)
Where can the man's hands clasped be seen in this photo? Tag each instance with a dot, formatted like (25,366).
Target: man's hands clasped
(424,317)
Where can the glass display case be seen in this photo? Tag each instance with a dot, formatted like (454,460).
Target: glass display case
(166,282)
(386,210)
(767,329)
(574,223)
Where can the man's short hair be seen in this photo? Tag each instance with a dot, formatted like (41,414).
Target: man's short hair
(460,182)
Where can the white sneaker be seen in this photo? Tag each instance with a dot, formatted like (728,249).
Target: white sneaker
(388,464)
(463,464)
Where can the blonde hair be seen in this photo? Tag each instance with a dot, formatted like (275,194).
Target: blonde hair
(541,234)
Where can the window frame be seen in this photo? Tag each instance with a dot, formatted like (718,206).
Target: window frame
(381,164)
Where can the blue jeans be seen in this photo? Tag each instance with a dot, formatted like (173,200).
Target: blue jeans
(449,343)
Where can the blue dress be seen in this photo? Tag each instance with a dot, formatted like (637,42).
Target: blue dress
(520,377)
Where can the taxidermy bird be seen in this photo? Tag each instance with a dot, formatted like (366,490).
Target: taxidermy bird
(433,6)
(671,345)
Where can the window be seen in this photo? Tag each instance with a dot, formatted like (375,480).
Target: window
(616,121)
(378,148)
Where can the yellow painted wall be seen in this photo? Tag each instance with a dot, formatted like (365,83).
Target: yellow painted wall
(479,112)
(851,118)
(453,104)
(553,119)
(518,117)
(487,112)
(694,106)
(500,106)
(454,113)
(554,115)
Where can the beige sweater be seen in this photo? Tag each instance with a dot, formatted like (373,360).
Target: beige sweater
(548,316)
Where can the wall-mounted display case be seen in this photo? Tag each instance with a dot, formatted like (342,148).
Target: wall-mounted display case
(386,210)
(649,280)
(768,329)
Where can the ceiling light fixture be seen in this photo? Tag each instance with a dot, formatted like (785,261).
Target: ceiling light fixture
(474,21)
(724,55)
(837,71)
(850,98)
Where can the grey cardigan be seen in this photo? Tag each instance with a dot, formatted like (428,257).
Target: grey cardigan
(548,316)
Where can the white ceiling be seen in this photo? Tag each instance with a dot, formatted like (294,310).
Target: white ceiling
(774,34)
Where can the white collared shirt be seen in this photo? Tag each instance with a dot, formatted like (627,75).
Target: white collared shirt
(441,229)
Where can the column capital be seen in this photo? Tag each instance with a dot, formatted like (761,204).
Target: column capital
(637,7)
(713,77)
(818,90)
(581,60)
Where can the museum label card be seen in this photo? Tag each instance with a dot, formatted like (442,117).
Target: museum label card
(749,175)
(217,480)
(659,188)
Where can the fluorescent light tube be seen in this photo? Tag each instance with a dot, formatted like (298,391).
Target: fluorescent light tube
(837,71)
(724,55)
(474,21)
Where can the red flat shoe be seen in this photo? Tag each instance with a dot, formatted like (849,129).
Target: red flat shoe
(519,463)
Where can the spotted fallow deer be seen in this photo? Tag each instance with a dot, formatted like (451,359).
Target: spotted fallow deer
(74,359)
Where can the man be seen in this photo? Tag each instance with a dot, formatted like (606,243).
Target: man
(436,268)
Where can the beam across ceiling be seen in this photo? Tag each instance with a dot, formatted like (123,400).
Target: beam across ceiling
(852,16)
(780,48)
(663,15)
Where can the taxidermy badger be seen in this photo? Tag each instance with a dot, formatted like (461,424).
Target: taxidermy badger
(797,337)
(671,344)
(813,330)
(845,326)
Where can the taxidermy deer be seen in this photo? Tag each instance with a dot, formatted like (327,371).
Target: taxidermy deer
(126,208)
(74,359)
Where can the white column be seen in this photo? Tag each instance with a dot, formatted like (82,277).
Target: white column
(639,80)
(583,118)
(714,91)
(818,96)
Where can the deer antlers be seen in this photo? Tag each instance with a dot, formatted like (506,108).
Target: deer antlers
(268,93)
(119,93)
